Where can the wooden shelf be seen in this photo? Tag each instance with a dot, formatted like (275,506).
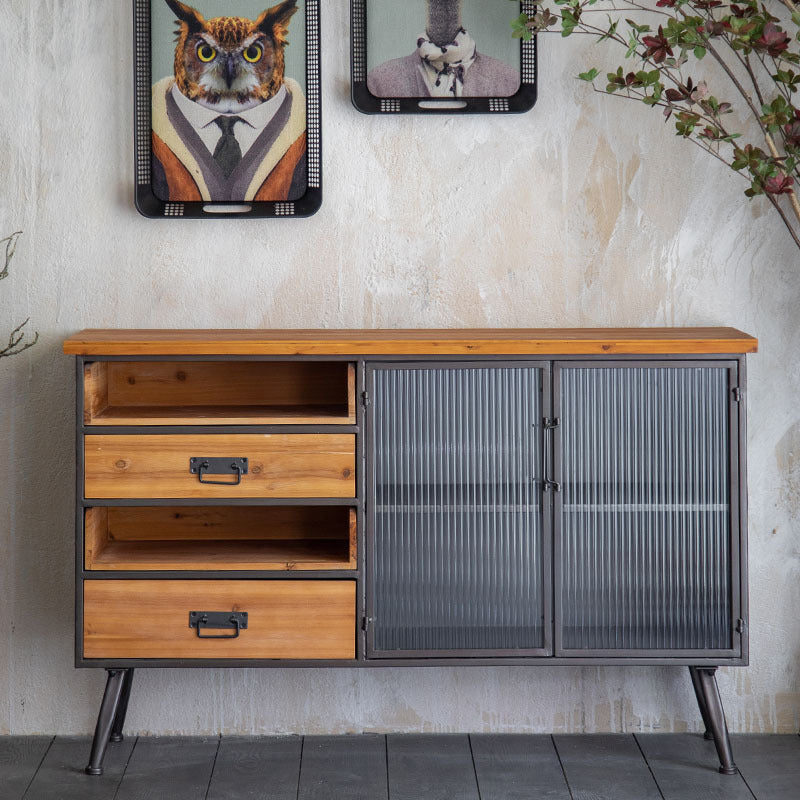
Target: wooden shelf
(317,554)
(220,538)
(224,415)
(219,392)
(507,341)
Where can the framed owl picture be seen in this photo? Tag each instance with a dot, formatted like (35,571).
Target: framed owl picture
(227,108)
(440,56)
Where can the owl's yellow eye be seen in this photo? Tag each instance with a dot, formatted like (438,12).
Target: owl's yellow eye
(206,53)
(253,53)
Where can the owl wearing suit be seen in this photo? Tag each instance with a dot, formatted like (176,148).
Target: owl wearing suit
(229,125)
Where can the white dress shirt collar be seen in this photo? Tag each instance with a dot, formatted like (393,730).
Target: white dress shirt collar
(202,119)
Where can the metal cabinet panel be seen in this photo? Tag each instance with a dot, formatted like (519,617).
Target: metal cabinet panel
(646,522)
(458,544)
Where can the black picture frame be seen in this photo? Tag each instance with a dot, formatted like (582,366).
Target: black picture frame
(151,206)
(367,103)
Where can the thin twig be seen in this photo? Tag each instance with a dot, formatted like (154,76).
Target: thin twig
(11,246)
(14,346)
(15,338)
(786,221)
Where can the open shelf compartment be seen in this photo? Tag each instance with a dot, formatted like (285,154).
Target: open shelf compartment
(219,392)
(220,538)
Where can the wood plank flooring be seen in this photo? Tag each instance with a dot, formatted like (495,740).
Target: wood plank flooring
(402,767)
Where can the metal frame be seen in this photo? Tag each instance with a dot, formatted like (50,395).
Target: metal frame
(367,103)
(737,650)
(83,503)
(151,206)
(361,429)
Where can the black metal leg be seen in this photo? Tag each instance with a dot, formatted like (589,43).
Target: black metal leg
(105,720)
(701,701)
(716,718)
(119,719)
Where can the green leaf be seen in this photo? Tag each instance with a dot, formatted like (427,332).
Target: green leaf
(632,45)
(699,52)
(569,22)
(590,75)
(612,29)
(754,190)
(638,28)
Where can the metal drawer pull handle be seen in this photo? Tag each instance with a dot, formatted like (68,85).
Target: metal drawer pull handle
(200,620)
(200,465)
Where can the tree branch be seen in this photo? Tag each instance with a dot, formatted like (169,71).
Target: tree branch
(786,221)
(11,246)
(15,346)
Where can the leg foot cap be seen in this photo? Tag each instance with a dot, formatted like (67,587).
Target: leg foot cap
(93,770)
(729,770)
(116,737)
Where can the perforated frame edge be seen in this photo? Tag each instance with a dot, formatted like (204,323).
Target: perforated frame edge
(367,103)
(150,206)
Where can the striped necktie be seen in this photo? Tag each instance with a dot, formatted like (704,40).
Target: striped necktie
(227,153)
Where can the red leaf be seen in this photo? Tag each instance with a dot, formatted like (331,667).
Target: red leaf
(773,40)
(779,184)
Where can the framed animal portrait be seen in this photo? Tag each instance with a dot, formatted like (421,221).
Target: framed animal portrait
(440,56)
(227,108)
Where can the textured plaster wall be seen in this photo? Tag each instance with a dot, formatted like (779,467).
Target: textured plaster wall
(586,211)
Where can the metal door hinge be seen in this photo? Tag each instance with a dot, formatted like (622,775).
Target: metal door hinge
(740,625)
(365,622)
(737,394)
(553,486)
(365,399)
(551,422)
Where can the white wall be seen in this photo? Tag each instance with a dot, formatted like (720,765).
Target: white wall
(586,211)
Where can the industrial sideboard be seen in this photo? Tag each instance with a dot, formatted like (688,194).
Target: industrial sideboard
(410,497)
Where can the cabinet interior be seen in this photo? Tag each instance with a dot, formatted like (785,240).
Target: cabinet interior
(220,538)
(219,392)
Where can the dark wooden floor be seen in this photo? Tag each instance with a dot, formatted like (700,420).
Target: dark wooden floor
(402,767)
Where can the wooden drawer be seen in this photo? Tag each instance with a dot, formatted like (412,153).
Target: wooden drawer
(286,619)
(280,465)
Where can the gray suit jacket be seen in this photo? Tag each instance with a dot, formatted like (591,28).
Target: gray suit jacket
(402,77)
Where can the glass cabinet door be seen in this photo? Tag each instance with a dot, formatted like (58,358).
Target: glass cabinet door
(646,532)
(457,543)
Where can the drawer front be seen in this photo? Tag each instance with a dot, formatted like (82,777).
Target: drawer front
(286,619)
(280,465)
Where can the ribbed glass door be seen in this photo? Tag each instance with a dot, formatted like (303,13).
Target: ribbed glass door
(456,535)
(645,557)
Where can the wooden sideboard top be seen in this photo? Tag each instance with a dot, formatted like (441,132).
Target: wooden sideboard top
(466,341)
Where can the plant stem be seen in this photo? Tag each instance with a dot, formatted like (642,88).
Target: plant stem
(767,136)
(786,220)
(749,68)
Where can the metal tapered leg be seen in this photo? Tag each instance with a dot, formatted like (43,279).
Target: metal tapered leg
(105,720)
(701,701)
(119,719)
(716,718)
